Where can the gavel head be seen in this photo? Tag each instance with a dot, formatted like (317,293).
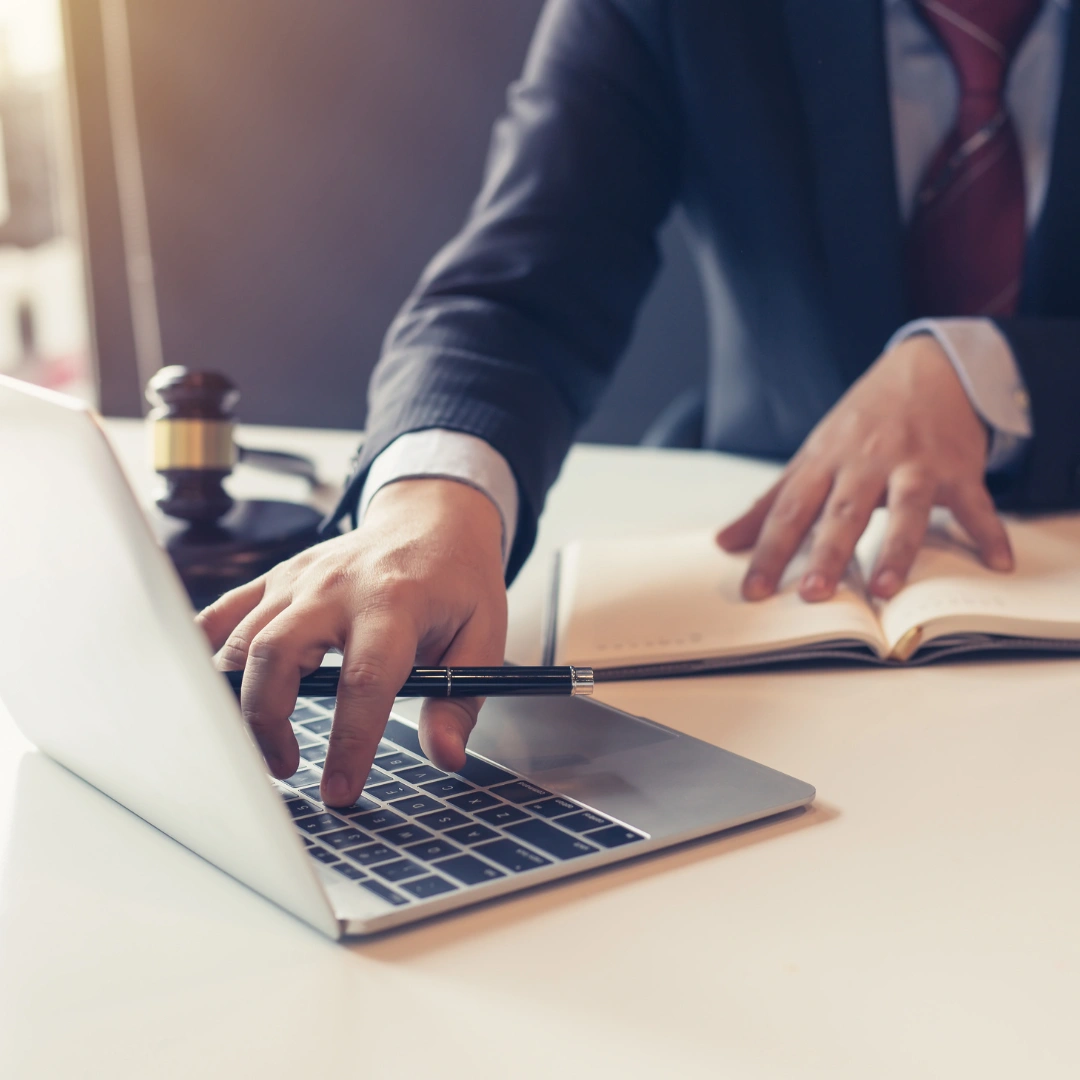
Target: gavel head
(192,423)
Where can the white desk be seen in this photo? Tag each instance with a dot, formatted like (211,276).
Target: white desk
(921,921)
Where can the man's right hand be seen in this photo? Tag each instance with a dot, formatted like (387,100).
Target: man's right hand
(420,582)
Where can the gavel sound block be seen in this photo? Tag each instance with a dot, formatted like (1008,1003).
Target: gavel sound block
(215,542)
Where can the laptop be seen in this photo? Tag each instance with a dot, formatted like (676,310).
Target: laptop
(102,666)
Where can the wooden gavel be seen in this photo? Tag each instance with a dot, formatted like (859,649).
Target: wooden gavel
(216,542)
(193,445)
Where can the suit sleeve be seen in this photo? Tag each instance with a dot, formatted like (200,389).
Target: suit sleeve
(1048,476)
(516,325)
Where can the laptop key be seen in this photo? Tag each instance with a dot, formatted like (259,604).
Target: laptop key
(315,754)
(313,793)
(405,834)
(442,819)
(420,774)
(473,801)
(615,836)
(377,776)
(512,856)
(556,807)
(399,870)
(305,738)
(381,891)
(502,815)
(549,839)
(379,819)
(322,855)
(323,702)
(386,792)
(469,871)
(483,773)
(449,785)
(354,873)
(362,805)
(319,727)
(422,888)
(520,792)
(322,823)
(583,821)
(303,777)
(345,838)
(394,762)
(418,804)
(371,854)
(472,834)
(300,807)
(430,850)
(304,713)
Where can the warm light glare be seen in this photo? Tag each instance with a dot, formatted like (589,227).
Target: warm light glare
(31,42)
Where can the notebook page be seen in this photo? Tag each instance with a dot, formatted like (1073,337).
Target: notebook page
(676,597)
(950,591)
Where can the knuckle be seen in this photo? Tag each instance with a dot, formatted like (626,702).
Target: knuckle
(845,509)
(363,678)
(911,495)
(234,652)
(335,576)
(398,593)
(788,510)
(266,647)
(349,743)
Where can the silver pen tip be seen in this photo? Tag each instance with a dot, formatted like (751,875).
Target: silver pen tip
(581,681)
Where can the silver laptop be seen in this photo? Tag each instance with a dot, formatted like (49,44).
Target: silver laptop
(102,667)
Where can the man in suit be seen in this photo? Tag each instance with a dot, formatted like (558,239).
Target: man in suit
(880,197)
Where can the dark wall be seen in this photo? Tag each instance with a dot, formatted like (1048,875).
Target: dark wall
(302,161)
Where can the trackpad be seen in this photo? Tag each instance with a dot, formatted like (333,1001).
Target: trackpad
(536,735)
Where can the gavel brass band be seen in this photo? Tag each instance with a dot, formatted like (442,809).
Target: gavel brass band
(194,444)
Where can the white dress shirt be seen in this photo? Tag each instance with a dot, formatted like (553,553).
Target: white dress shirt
(923,93)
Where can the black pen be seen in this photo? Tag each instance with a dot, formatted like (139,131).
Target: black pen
(460,682)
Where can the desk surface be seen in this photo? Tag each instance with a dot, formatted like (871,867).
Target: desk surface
(921,920)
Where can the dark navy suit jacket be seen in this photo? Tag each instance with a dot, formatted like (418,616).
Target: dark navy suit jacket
(767,122)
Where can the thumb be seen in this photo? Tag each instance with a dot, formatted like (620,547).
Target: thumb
(445,723)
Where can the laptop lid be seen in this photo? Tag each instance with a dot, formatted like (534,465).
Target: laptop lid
(103,668)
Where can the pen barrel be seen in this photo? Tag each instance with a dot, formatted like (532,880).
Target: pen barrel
(497,682)
(461,682)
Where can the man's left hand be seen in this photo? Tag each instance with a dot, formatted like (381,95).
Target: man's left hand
(904,436)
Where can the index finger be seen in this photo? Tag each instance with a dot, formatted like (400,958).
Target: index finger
(378,656)
(291,643)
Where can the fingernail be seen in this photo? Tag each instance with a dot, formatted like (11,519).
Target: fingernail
(887,583)
(815,583)
(335,788)
(756,586)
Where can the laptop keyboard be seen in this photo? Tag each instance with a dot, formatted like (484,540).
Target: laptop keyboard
(418,832)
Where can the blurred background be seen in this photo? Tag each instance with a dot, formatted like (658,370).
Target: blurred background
(44,329)
(254,187)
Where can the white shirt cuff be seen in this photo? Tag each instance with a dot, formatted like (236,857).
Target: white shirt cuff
(448,455)
(991,378)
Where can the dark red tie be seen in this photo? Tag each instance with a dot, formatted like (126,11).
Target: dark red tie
(965,250)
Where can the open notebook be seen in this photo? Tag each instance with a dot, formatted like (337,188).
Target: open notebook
(670,604)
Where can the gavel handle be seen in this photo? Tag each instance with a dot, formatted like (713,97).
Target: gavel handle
(280,462)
